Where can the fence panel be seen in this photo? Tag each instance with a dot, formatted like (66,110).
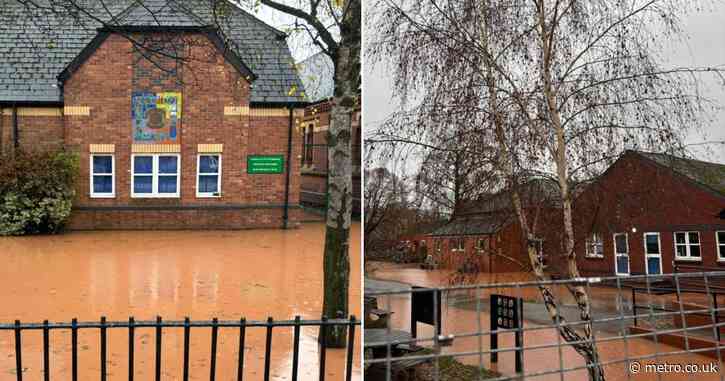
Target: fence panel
(640,327)
(159,326)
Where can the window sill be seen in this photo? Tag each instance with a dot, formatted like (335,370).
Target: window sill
(684,259)
(201,195)
(103,195)
(594,256)
(155,196)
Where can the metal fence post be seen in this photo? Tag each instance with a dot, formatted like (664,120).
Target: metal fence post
(268,349)
(18,352)
(131,340)
(296,348)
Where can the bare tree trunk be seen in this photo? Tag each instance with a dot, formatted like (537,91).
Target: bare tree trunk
(339,186)
(596,372)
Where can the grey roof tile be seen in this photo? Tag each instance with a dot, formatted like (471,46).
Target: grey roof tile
(34,53)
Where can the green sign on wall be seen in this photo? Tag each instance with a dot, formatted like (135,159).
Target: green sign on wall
(265,164)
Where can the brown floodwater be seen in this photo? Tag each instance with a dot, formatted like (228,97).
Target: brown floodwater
(459,321)
(173,274)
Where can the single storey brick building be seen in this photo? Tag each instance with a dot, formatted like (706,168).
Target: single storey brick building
(649,211)
(646,213)
(179,121)
(485,235)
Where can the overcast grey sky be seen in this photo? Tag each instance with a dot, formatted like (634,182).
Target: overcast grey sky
(705,46)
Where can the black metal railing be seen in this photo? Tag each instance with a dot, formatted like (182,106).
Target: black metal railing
(158,325)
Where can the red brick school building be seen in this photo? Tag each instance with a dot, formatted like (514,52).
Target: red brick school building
(208,140)
(647,213)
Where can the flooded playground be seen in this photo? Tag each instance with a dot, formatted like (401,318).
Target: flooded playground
(173,274)
(544,353)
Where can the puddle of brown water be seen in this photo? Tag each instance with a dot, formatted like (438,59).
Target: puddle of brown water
(200,274)
(459,321)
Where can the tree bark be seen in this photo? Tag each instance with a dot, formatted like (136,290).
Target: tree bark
(339,183)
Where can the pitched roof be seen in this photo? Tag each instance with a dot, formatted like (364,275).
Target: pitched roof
(317,73)
(36,49)
(474,225)
(709,175)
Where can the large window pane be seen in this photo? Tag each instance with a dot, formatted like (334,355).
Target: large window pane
(168,164)
(652,243)
(102,164)
(694,237)
(653,265)
(623,264)
(167,184)
(143,164)
(209,164)
(680,237)
(208,183)
(142,184)
(102,184)
(695,251)
(621,242)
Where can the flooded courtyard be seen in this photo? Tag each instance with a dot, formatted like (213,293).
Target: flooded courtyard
(545,356)
(173,274)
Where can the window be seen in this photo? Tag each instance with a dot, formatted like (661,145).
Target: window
(720,242)
(653,254)
(155,176)
(208,176)
(687,246)
(482,244)
(457,244)
(621,254)
(309,141)
(102,176)
(438,245)
(595,246)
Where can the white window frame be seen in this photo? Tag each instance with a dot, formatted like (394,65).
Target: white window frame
(617,254)
(485,241)
(589,244)
(647,255)
(688,256)
(719,245)
(218,173)
(155,176)
(457,247)
(113,176)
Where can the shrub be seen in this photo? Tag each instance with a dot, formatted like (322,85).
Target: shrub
(36,191)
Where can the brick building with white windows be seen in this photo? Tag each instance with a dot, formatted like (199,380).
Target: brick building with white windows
(645,214)
(203,138)
(649,212)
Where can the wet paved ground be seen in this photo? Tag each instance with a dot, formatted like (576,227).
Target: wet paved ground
(201,274)
(462,319)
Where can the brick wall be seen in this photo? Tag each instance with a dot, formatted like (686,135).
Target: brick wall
(39,128)
(104,84)
(636,193)
(314,172)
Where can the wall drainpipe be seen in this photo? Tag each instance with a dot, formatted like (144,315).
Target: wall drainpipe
(16,138)
(285,216)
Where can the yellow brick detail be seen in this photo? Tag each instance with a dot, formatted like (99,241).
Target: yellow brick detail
(236,110)
(34,111)
(269,112)
(102,148)
(156,148)
(77,110)
(210,148)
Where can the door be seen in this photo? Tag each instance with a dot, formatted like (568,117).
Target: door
(621,254)
(653,253)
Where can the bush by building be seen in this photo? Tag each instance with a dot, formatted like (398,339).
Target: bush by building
(36,191)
